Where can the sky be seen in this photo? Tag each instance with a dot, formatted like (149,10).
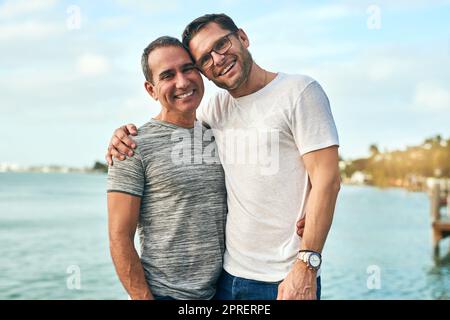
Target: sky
(70,70)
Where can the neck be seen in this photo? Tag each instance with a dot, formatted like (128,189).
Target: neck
(181,119)
(257,79)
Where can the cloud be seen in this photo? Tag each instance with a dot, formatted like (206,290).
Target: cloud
(384,68)
(300,24)
(296,15)
(301,52)
(114,23)
(138,108)
(11,9)
(150,6)
(401,5)
(93,65)
(329,12)
(432,97)
(28,30)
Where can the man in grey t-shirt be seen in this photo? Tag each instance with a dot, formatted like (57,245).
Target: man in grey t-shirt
(172,190)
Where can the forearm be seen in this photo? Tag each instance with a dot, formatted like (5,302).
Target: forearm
(129,269)
(319,215)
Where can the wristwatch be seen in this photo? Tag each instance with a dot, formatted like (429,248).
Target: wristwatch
(312,259)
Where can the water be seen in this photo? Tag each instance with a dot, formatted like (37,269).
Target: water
(52,225)
(387,231)
(48,223)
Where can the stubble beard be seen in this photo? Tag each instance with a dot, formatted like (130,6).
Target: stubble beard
(247,62)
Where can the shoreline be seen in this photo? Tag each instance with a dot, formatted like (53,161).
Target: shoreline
(102,172)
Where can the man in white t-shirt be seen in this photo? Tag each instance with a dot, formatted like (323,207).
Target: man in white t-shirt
(277,143)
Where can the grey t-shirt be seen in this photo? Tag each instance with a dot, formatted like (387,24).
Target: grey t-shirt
(181,225)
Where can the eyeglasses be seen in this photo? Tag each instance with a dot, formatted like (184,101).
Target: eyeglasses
(220,47)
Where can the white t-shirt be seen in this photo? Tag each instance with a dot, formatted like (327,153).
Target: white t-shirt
(260,139)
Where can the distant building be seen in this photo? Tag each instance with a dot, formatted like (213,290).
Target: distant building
(358,177)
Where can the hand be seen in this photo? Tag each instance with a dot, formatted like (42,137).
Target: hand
(120,144)
(300,227)
(299,284)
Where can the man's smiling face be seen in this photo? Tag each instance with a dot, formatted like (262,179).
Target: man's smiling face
(230,69)
(177,83)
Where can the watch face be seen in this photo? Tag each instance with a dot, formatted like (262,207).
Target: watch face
(314,261)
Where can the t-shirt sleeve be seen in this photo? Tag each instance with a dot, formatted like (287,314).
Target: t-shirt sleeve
(127,176)
(312,122)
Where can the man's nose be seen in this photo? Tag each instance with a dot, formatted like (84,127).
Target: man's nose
(218,58)
(182,81)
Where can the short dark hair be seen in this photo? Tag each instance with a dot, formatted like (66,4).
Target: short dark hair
(196,25)
(164,41)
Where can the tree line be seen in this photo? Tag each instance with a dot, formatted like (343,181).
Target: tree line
(403,167)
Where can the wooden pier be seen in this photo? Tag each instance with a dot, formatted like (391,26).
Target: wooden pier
(440,222)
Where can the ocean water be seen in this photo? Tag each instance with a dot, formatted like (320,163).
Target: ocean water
(54,242)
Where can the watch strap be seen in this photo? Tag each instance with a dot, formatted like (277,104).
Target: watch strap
(304,256)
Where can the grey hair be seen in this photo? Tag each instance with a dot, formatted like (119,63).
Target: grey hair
(164,41)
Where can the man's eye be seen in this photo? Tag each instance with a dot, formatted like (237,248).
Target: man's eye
(204,60)
(165,76)
(220,44)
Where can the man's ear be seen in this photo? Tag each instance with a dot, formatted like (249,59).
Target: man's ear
(150,88)
(243,38)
